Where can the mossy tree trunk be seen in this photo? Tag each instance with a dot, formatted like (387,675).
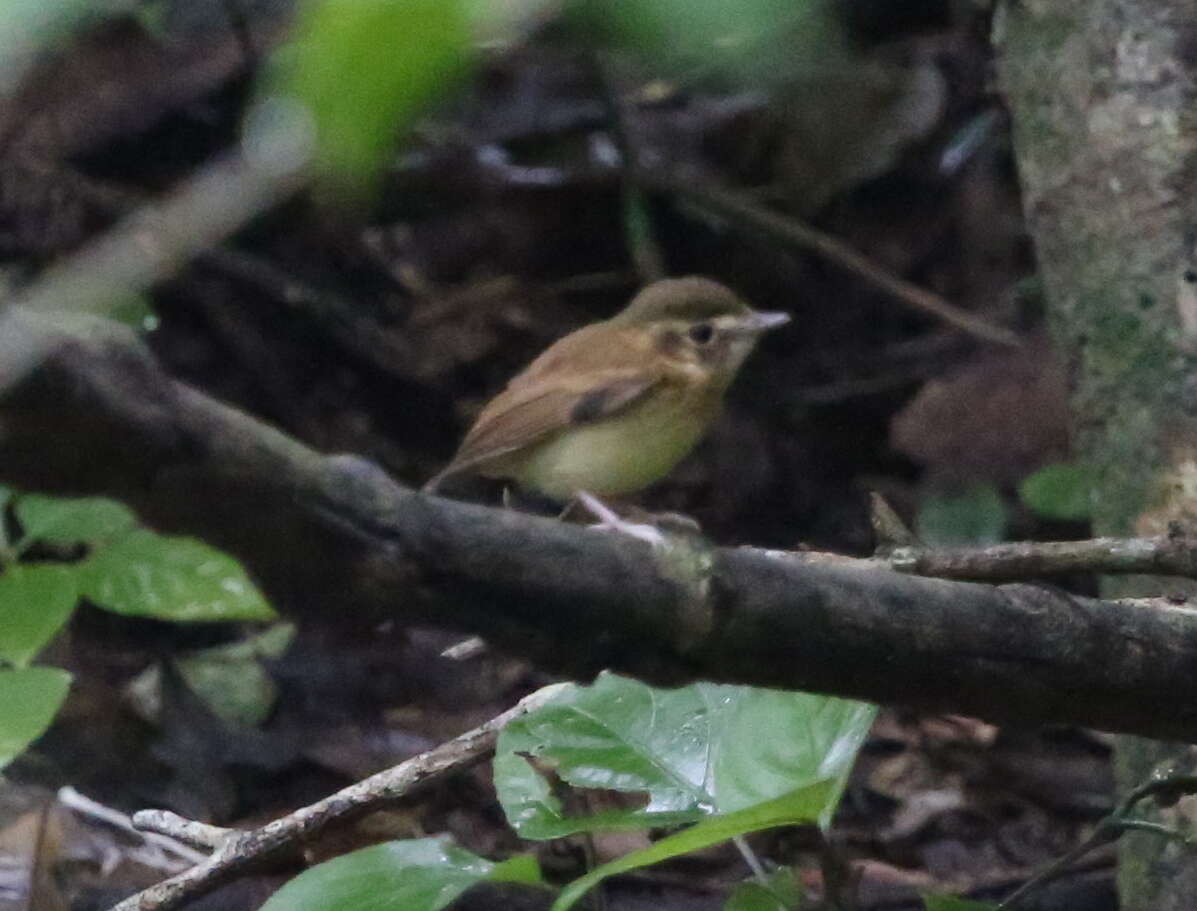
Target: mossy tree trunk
(1103,96)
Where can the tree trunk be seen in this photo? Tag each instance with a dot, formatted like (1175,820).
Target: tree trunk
(1103,95)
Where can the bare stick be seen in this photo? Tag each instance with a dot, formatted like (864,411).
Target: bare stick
(1160,556)
(84,805)
(792,231)
(316,530)
(155,240)
(239,851)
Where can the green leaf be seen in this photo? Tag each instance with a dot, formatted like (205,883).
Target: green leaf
(135,310)
(231,680)
(800,806)
(778,893)
(423,874)
(1063,492)
(975,515)
(692,751)
(951,903)
(35,601)
(362,70)
(751,41)
(149,575)
(29,699)
(69,521)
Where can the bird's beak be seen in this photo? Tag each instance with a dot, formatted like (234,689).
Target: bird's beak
(761,321)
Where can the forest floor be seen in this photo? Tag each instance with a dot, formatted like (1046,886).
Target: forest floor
(500,228)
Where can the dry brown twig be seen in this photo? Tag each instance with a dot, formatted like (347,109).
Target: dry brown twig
(792,231)
(236,851)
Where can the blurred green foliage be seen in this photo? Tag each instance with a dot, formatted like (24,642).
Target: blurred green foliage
(778,892)
(362,70)
(974,515)
(424,874)
(751,42)
(93,547)
(1063,492)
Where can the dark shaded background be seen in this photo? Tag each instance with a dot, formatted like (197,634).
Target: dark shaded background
(381,331)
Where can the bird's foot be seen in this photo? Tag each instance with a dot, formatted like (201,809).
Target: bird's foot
(610,521)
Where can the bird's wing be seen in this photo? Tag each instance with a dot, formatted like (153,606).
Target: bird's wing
(564,387)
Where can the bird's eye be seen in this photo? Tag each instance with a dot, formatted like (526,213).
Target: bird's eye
(701,333)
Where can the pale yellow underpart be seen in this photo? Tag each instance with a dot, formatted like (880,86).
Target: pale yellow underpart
(621,454)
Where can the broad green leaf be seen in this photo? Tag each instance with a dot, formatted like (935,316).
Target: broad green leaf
(951,903)
(692,752)
(798,807)
(229,679)
(976,515)
(29,699)
(35,601)
(1063,492)
(149,575)
(69,521)
(779,892)
(362,70)
(423,874)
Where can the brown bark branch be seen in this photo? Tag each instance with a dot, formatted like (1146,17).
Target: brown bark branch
(235,851)
(333,539)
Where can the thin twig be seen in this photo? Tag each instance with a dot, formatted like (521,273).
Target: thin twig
(1165,788)
(1099,836)
(1021,560)
(240,850)
(759,873)
(189,831)
(790,230)
(84,805)
(1024,561)
(153,241)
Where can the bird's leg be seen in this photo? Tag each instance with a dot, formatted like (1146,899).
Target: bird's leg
(677,522)
(610,521)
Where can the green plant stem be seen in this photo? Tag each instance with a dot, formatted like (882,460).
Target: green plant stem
(1113,826)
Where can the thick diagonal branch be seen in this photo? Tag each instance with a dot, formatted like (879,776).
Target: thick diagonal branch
(333,539)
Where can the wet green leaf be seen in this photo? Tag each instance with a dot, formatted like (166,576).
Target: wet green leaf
(692,752)
(29,699)
(35,601)
(68,521)
(149,575)
(424,874)
(803,805)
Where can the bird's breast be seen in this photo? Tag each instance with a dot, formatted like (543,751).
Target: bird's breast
(620,454)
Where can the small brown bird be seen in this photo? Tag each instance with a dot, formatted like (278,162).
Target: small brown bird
(612,407)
